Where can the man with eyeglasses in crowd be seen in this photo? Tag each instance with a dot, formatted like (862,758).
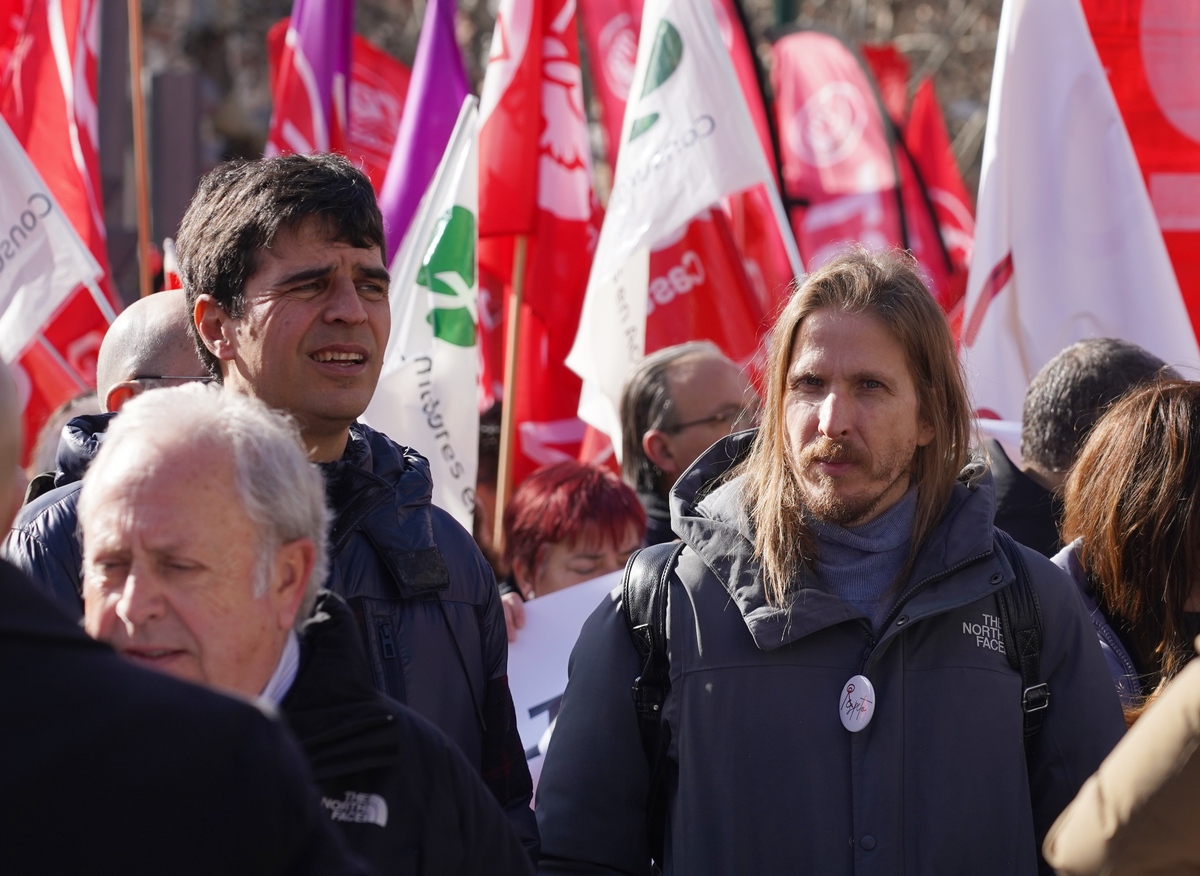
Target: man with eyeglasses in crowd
(147,347)
(678,402)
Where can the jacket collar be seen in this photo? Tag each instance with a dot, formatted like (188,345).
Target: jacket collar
(78,446)
(385,491)
(332,706)
(715,525)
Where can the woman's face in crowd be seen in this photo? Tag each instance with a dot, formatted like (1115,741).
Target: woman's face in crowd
(563,564)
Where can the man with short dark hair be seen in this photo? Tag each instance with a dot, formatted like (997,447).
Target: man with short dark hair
(226,599)
(677,402)
(282,262)
(839,696)
(148,346)
(1062,403)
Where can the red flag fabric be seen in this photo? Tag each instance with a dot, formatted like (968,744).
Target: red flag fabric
(378,86)
(838,168)
(1149,49)
(611,28)
(699,290)
(48,98)
(511,119)
(890,69)
(928,143)
(309,88)
(535,180)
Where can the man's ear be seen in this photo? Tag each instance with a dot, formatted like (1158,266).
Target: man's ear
(657,447)
(293,564)
(216,327)
(121,393)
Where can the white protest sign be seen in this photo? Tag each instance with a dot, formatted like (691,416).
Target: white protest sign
(537,661)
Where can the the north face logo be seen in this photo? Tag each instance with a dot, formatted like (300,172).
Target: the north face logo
(987,634)
(358,808)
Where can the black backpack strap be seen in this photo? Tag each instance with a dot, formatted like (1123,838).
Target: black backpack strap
(644,604)
(1021,620)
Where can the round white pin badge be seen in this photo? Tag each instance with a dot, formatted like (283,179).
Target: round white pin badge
(856,703)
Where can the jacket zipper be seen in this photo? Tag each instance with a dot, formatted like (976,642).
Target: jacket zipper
(912,591)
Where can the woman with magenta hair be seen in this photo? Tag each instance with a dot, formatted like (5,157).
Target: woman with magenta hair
(566,523)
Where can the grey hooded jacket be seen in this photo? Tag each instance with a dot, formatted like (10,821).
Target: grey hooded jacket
(763,778)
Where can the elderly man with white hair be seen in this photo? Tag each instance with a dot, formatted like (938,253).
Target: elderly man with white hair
(204,529)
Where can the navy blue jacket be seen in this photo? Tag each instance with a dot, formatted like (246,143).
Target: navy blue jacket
(760,775)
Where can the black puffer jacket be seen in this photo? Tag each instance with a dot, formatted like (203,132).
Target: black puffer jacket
(427,604)
(42,542)
(404,797)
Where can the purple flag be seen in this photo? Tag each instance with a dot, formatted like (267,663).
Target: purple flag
(314,76)
(435,95)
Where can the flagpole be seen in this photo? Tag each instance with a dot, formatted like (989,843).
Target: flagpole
(508,413)
(139,146)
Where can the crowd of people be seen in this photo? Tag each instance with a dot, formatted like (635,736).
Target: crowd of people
(241,638)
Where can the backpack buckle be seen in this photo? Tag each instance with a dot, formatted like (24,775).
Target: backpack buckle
(1035,698)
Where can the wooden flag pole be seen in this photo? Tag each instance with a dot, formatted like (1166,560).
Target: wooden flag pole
(508,413)
(141,170)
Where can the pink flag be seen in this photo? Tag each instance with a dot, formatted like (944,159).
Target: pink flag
(310,89)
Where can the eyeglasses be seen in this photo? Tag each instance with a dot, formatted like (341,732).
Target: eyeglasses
(730,417)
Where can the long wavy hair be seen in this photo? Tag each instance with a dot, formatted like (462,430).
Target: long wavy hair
(1133,496)
(888,287)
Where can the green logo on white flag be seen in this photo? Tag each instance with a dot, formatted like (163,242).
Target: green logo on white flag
(664,60)
(449,270)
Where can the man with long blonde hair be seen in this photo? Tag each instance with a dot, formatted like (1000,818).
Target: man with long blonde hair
(840,698)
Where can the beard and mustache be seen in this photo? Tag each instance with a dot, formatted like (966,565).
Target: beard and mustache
(826,497)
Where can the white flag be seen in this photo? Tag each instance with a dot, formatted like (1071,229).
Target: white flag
(1066,242)
(42,259)
(687,141)
(427,396)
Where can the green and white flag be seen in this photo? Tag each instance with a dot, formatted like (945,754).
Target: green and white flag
(686,142)
(428,396)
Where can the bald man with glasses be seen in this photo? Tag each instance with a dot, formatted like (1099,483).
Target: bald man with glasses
(147,347)
(678,402)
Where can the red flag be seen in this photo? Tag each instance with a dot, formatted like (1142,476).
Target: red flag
(838,167)
(511,120)
(535,180)
(699,290)
(1149,49)
(611,29)
(378,86)
(309,87)
(890,69)
(48,98)
(928,143)
(49,101)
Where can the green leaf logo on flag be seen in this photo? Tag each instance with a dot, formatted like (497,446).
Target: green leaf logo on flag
(449,269)
(664,61)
